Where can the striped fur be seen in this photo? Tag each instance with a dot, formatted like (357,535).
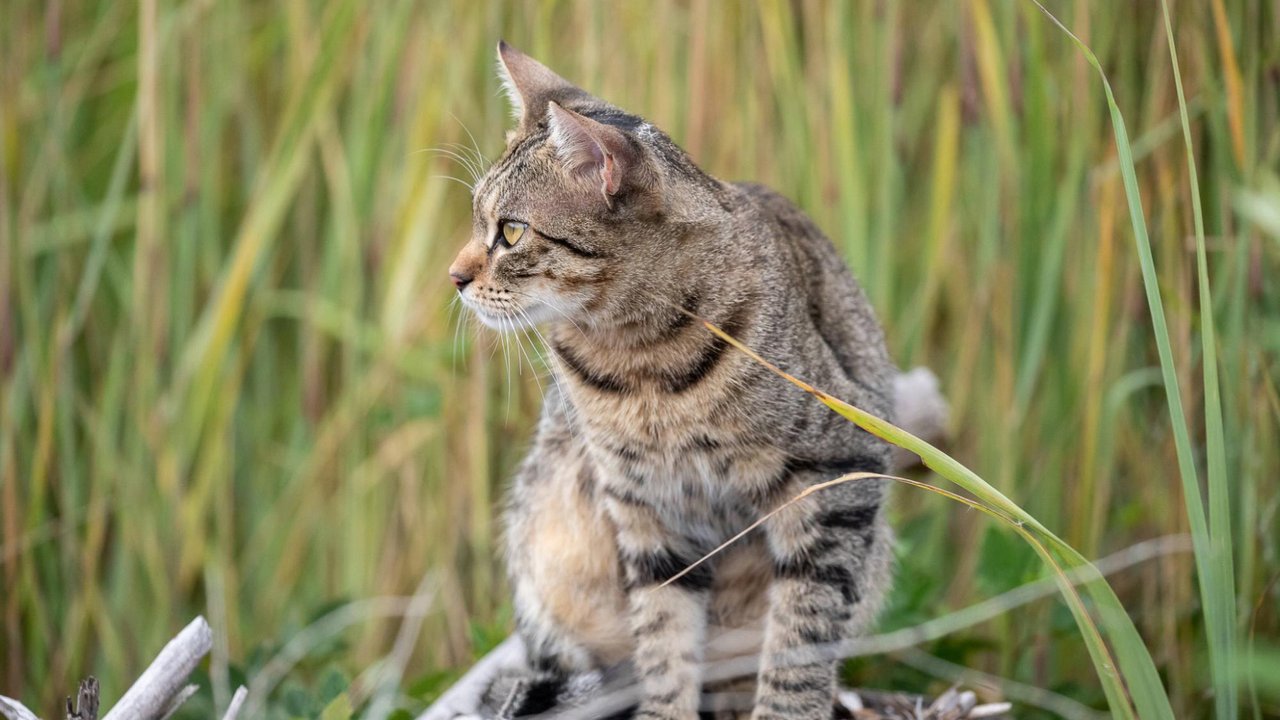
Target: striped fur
(658,442)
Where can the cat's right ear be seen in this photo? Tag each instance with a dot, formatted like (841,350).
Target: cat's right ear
(529,84)
(592,150)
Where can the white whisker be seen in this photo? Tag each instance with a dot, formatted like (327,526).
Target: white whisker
(532,367)
(475,146)
(451,310)
(472,157)
(464,160)
(553,307)
(470,188)
(506,360)
(546,354)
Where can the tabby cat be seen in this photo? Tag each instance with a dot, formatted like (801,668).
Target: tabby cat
(658,441)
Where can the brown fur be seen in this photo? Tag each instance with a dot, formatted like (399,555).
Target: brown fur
(657,441)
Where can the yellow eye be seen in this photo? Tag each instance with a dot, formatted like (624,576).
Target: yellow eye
(512,231)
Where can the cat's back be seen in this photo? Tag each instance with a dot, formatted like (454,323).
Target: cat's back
(790,229)
(810,267)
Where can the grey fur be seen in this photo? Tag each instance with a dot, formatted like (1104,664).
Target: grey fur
(657,441)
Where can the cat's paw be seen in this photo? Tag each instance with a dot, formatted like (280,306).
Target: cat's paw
(520,693)
(516,695)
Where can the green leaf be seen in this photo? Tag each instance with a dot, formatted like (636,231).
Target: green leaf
(297,701)
(429,687)
(338,709)
(1004,562)
(1217,592)
(332,684)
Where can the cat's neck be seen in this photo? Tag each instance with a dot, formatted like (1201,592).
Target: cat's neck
(666,345)
(664,317)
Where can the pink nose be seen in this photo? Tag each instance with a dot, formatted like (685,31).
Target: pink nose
(460,280)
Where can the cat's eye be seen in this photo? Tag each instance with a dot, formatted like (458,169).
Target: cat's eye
(512,231)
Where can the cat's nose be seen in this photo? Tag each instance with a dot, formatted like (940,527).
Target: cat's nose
(460,279)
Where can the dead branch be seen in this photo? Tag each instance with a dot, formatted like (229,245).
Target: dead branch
(155,696)
(462,701)
(161,683)
(13,710)
(86,702)
(237,701)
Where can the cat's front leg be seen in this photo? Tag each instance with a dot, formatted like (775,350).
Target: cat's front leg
(668,622)
(830,554)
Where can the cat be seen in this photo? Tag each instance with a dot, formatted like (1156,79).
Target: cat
(658,441)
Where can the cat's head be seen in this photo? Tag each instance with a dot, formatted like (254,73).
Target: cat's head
(585,209)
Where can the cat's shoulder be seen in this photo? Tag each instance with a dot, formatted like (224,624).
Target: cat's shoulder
(777,207)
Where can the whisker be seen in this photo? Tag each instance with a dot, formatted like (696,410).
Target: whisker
(506,361)
(540,342)
(473,163)
(464,160)
(455,157)
(470,156)
(457,319)
(514,332)
(474,145)
(473,157)
(470,188)
(546,355)
(537,376)
(495,339)
(556,308)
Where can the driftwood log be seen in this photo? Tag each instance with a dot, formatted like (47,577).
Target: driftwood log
(921,410)
(157,694)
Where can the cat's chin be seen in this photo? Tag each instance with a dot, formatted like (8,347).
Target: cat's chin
(510,322)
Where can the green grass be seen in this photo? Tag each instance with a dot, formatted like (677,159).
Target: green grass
(229,380)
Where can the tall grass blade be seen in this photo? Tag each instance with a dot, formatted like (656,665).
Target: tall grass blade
(205,354)
(1135,668)
(1218,595)
(1208,566)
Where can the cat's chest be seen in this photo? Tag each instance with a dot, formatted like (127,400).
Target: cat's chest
(696,468)
(707,443)
(659,421)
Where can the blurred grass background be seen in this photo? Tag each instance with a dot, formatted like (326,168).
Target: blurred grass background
(231,384)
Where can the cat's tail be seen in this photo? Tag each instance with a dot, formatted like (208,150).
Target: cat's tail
(920,409)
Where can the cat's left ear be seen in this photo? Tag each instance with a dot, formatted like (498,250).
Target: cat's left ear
(529,84)
(592,150)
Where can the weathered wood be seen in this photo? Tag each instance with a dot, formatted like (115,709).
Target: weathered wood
(462,701)
(156,695)
(954,704)
(85,706)
(176,701)
(237,702)
(13,710)
(166,678)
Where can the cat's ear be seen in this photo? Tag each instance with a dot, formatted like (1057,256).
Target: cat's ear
(590,149)
(528,83)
